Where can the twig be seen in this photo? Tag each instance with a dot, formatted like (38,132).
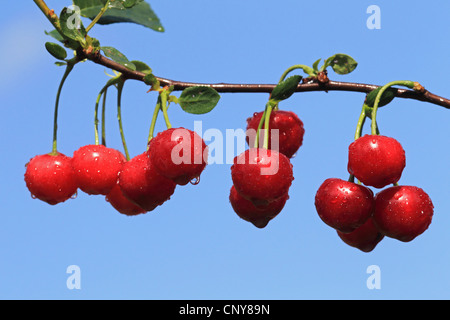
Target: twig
(425,96)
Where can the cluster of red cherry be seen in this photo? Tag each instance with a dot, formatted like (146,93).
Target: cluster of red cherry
(362,219)
(262,177)
(132,187)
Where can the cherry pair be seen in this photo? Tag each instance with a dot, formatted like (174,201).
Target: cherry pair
(262,177)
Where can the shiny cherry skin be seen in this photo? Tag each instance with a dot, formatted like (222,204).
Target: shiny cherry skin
(178,154)
(121,203)
(376,161)
(50,178)
(403,212)
(262,176)
(343,205)
(364,238)
(97,168)
(290,131)
(258,216)
(143,185)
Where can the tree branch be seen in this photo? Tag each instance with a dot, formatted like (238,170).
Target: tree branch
(425,96)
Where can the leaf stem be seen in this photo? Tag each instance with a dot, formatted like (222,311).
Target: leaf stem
(99,15)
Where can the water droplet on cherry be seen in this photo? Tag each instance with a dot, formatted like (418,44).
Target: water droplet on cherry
(195,181)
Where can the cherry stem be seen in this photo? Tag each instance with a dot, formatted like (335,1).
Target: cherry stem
(351,178)
(261,122)
(290,69)
(270,106)
(154,118)
(70,64)
(266,124)
(104,119)
(96,117)
(405,83)
(119,117)
(111,82)
(163,95)
(99,15)
(360,124)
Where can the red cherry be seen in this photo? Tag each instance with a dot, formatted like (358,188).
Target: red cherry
(403,212)
(290,134)
(364,238)
(376,160)
(258,216)
(178,154)
(343,205)
(121,203)
(262,175)
(97,168)
(143,185)
(50,178)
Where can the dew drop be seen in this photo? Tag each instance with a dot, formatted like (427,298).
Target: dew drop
(354,188)
(294,155)
(74,196)
(195,181)
(33,196)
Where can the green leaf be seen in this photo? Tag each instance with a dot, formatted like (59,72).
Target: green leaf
(56,50)
(315,65)
(118,57)
(198,100)
(93,42)
(341,63)
(151,80)
(285,88)
(309,71)
(133,11)
(60,63)
(55,34)
(142,67)
(71,25)
(386,97)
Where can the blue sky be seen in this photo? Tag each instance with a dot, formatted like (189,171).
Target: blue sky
(194,246)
